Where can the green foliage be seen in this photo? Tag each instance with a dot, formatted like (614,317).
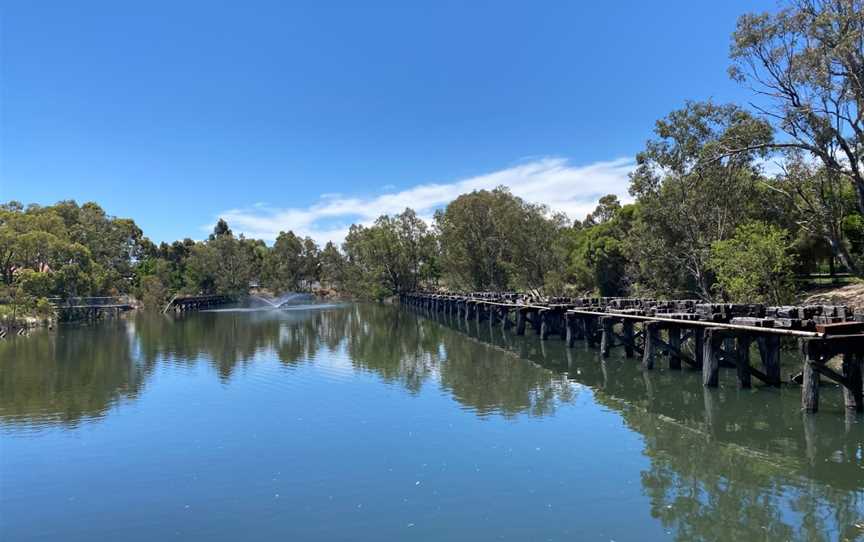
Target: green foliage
(394,255)
(493,240)
(805,61)
(598,257)
(292,264)
(332,265)
(691,195)
(853,230)
(152,292)
(755,265)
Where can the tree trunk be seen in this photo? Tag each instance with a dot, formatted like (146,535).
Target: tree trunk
(840,251)
(859,191)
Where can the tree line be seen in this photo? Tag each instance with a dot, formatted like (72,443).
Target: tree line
(729,202)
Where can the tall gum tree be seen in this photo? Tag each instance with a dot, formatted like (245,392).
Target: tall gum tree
(806,64)
(688,198)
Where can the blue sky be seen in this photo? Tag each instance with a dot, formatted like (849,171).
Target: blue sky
(313,115)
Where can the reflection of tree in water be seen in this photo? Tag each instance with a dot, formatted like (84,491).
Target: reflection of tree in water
(224,339)
(403,348)
(727,464)
(711,490)
(79,373)
(723,464)
(228,339)
(66,377)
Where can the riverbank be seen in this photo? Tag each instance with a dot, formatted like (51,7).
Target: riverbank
(850,295)
(21,325)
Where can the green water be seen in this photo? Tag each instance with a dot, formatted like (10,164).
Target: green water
(362,422)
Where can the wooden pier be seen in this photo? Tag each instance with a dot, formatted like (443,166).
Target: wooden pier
(703,336)
(89,308)
(185,303)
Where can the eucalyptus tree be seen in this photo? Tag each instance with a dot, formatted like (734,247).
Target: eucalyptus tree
(820,203)
(393,255)
(689,198)
(806,63)
(332,265)
(491,239)
(283,264)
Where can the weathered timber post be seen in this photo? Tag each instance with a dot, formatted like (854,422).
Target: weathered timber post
(852,396)
(675,343)
(520,321)
(652,330)
(606,338)
(628,337)
(545,324)
(699,344)
(505,318)
(810,385)
(769,351)
(729,343)
(811,440)
(711,359)
(742,360)
(493,315)
(570,322)
(590,323)
(469,308)
(533,318)
(711,408)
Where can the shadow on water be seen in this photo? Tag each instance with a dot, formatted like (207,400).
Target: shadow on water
(723,464)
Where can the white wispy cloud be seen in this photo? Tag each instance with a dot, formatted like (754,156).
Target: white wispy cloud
(555,182)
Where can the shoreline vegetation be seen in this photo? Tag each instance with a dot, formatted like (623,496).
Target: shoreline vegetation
(709,218)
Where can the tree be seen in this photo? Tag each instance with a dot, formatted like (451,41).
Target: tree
(153,292)
(755,265)
(332,265)
(283,267)
(688,198)
(310,263)
(392,256)
(806,61)
(607,207)
(598,258)
(493,240)
(820,203)
(220,229)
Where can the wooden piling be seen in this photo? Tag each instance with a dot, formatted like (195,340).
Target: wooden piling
(606,337)
(852,392)
(675,343)
(652,330)
(711,359)
(545,324)
(570,323)
(520,321)
(742,360)
(769,351)
(810,387)
(628,338)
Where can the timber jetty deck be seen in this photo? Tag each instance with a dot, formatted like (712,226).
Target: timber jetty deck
(89,308)
(705,336)
(186,303)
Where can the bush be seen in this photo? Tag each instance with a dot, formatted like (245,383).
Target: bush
(755,265)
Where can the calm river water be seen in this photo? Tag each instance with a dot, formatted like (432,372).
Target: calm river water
(364,422)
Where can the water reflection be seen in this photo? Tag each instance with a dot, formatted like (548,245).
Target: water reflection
(68,376)
(723,464)
(79,373)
